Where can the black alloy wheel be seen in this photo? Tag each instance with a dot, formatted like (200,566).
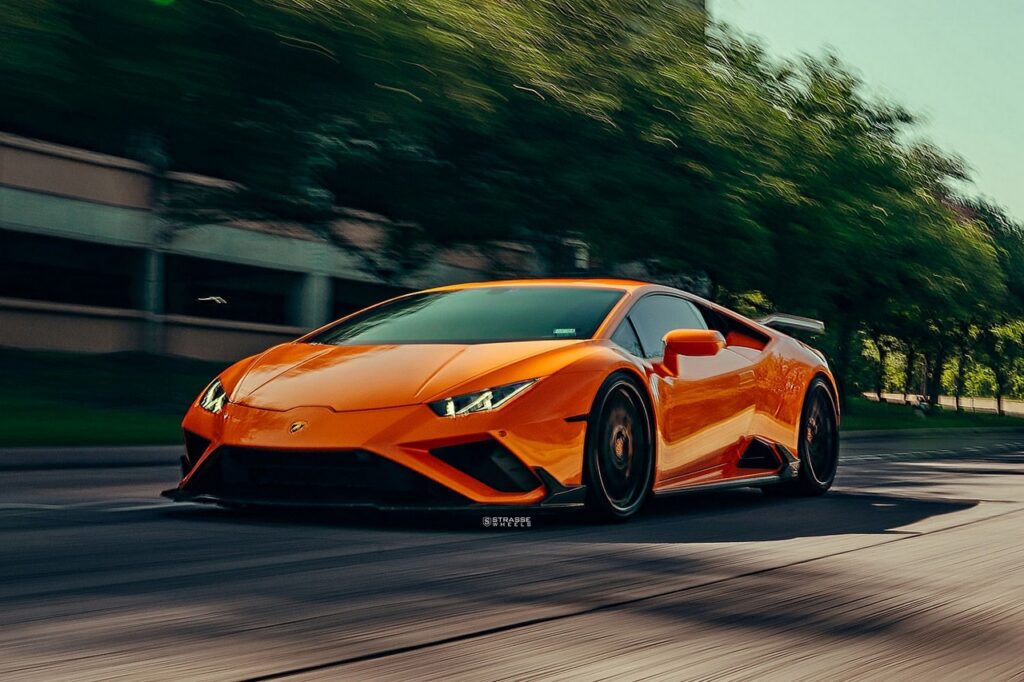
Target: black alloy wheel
(819,444)
(619,452)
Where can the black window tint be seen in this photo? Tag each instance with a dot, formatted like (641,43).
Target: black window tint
(479,315)
(626,337)
(656,316)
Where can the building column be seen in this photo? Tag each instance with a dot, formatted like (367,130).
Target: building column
(152,289)
(313,302)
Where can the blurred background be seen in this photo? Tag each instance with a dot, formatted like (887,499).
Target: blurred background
(186,182)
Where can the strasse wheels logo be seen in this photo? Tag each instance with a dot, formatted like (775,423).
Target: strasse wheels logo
(507,522)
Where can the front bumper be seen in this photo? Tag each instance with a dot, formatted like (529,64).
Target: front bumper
(557,498)
(412,457)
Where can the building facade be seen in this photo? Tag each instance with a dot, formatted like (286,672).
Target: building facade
(87,264)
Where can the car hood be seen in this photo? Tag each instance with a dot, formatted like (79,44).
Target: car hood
(372,377)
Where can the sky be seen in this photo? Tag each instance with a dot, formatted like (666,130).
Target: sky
(956,64)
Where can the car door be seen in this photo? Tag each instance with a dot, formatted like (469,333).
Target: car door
(771,387)
(704,411)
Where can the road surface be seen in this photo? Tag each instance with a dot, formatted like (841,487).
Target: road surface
(912,568)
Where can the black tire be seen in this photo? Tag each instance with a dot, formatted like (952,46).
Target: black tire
(819,445)
(619,450)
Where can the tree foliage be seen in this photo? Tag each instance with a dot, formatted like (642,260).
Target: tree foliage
(634,124)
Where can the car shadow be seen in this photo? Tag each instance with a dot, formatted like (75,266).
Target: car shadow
(882,500)
(751,516)
(732,516)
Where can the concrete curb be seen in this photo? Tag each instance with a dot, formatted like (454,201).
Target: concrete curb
(910,433)
(37,458)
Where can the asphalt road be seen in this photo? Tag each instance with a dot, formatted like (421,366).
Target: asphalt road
(912,568)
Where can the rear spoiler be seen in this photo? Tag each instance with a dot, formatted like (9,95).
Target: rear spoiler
(782,322)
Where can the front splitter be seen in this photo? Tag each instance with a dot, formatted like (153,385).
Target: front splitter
(558,504)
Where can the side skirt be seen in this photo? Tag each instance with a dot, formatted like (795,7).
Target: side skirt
(789,468)
(753,482)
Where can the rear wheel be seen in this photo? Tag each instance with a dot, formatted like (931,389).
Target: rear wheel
(619,450)
(819,444)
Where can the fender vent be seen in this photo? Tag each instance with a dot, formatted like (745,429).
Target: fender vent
(759,455)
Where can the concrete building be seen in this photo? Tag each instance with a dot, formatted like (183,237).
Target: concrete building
(86,264)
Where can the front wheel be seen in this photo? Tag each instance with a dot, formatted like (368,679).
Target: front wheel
(619,453)
(819,444)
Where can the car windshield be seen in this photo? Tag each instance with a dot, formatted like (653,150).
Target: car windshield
(478,315)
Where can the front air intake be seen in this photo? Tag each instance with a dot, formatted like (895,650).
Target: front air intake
(195,446)
(491,463)
(316,477)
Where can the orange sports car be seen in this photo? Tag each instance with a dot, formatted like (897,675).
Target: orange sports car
(540,393)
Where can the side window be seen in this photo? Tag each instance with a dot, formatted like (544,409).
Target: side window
(655,316)
(626,337)
(736,333)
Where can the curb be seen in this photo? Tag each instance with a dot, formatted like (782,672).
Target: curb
(113,457)
(904,433)
(962,452)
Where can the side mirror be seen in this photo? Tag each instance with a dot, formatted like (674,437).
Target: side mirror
(691,343)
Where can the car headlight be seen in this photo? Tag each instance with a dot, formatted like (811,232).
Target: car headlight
(214,397)
(481,401)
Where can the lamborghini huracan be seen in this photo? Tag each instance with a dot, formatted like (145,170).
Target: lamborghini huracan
(544,394)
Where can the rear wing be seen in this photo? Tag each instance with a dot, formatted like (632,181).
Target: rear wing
(783,322)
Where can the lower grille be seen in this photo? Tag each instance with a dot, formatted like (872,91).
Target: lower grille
(316,477)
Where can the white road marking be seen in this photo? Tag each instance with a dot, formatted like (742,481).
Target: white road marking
(21,506)
(143,507)
(80,506)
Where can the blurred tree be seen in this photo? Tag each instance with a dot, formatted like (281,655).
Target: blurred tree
(633,124)
(1002,348)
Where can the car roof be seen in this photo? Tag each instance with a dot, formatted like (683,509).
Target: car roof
(583,283)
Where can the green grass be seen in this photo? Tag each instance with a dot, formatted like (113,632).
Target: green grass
(116,399)
(862,415)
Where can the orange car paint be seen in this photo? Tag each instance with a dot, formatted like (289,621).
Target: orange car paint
(706,409)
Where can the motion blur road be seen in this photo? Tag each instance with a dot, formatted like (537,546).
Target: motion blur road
(912,568)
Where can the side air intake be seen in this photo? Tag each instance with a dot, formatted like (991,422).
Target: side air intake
(760,455)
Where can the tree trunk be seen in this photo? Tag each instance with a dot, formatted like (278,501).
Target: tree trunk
(880,374)
(908,371)
(935,377)
(1002,379)
(961,370)
(925,377)
(843,362)
(961,378)
(880,383)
